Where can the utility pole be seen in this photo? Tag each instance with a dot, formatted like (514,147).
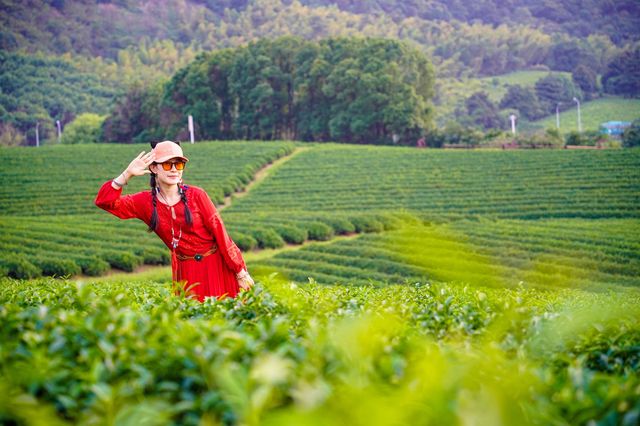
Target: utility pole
(37,134)
(59,130)
(513,117)
(579,117)
(191,128)
(558,116)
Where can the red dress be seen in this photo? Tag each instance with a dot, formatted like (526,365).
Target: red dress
(213,275)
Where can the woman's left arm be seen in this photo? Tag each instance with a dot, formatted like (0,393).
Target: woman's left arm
(229,250)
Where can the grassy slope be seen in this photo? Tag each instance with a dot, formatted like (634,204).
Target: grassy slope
(594,113)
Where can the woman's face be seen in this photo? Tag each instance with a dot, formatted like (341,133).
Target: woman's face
(173,176)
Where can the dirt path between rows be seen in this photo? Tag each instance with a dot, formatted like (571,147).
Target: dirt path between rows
(260,176)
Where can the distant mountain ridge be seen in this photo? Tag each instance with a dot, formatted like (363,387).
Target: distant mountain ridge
(103,27)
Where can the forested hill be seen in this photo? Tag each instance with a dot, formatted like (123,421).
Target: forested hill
(142,43)
(104,27)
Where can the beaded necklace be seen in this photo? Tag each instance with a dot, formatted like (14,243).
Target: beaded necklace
(174,241)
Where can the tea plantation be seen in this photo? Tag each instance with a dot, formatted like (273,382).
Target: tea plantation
(442,287)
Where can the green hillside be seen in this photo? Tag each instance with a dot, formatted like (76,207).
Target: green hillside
(594,113)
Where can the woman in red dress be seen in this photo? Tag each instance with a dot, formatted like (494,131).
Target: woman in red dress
(203,256)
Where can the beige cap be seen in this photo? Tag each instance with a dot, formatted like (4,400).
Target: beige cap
(167,150)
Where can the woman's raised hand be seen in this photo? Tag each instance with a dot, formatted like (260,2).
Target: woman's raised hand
(139,165)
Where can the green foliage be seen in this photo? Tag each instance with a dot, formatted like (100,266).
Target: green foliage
(84,129)
(244,242)
(481,112)
(340,225)
(336,179)
(623,74)
(292,234)
(267,238)
(549,138)
(590,138)
(19,267)
(134,116)
(571,54)
(154,256)
(40,89)
(556,91)
(92,266)
(367,224)
(9,135)
(585,79)
(124,45)
(125,261)
(631,136)
(524,100)
(56,267)
(319,231)
(286,353)
(594,113)
(289,88)
(550,253)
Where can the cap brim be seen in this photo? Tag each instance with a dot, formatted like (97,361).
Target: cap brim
(169,157)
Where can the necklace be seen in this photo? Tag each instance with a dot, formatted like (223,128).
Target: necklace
(174,241)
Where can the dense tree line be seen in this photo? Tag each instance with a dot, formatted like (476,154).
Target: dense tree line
(342,89)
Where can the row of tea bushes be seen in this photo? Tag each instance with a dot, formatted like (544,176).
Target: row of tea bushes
(451,185)
(548,253)
(64,185)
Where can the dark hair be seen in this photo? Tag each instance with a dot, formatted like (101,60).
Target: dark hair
(182,189)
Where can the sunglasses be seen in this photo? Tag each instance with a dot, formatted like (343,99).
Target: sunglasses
(167,165)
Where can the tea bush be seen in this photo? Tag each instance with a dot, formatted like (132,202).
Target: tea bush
(287,353)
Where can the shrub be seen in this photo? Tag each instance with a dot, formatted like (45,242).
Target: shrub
(585,139)
(631,136)
(319,231)
(388,222)
(84,129)
(154,256)
(19,267)
(367,224)
(244,242)
(292,234)
(216,195)
(93,266)
(340,225)
(57,267)
(125,261)
(268,238)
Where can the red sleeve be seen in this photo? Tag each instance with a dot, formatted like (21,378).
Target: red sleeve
(111,200)
(213,222)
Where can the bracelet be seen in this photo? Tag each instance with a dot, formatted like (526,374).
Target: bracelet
(242,274)
(118,184)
